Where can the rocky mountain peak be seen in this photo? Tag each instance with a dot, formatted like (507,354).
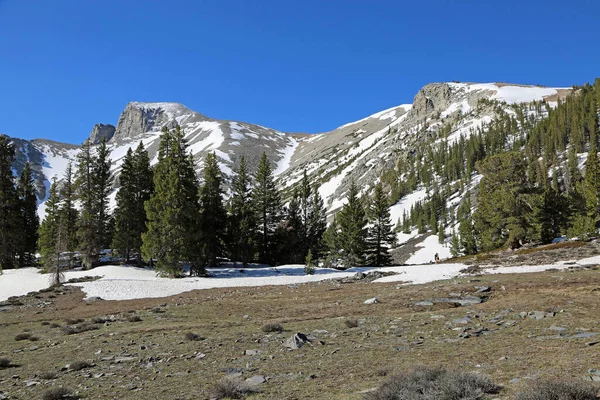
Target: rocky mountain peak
(140,117)
(101,131)
(432,97)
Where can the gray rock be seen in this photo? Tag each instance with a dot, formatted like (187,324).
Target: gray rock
(424,303)
(462,321)
(256,379)
(251,352)
(296,341)
(585,335)
(31,383)
(483,289)
(101,131)
(373,300)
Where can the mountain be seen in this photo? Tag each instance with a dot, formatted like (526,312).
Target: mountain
(363,150)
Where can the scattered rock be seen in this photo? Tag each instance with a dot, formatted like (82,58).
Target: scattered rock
(424,303)
(462,321)
(373,300)
(483,289)
(558,328)
(31,383)
(256,379)
(251,352)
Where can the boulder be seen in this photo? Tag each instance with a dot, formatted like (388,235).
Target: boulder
(373,300)
(296,341)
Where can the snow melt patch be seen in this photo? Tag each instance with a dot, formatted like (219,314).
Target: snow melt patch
(397,210)
(286,156)
(428,249)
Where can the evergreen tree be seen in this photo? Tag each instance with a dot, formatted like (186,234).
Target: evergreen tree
(293,240)
(50,240)
(130,215)
(454,245)
(353,232)
(173,210)
(87,234)
(331,240)
(213,216)
(441,234)
(68,215)
(380,235)
(9,205)
(241,222)
(317,224)
(102,186)
(267,207)
(29,221)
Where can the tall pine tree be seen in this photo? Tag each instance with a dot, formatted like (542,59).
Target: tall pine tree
(173,210)
(29,221)
(68,217)
(135,189)
(213,216)
(380,235)
(9,205)
(50,237)
(353,232)
(241,223)
(267,207)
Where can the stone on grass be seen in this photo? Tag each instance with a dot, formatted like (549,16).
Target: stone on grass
(373,300)
(296,341)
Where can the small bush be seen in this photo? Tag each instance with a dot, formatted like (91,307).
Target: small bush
(54,325)
(44,323)
(33,338)
(191,336)
(49,375)
(134,318)
(98,320)
(4,362)
(60,393)
(79,365)
(73,321)
(472,270)
(75,329)
(351,323)
(559,391)
(434,383)
(22,336)
(232,388)
(272,327)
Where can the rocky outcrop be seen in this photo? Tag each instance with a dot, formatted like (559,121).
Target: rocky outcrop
(100,132)
(431,98)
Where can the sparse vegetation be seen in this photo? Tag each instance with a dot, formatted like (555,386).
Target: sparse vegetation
(22,336)
(79,328)
(424,383)
(232,388)
(134,318)
(4,362)
(49,375)
(560,391)
(191,336)
(351,323)
(272,327)
(79,365)
(59,393)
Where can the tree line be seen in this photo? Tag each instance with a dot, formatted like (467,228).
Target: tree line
(167,216)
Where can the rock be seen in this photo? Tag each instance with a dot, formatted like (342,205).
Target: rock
(584,335)
(251,352)
(483,289)
(373,300)
(558,328)
(256,379)
(101,131)
(537,315)
(93,299)
(515,380)
(360,275)
(246,317)
(119,360)
(200,356)
(424,303)
(296,341)
(318,332)
(462,321)
(31,383)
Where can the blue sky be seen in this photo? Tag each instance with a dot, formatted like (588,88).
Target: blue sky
(297,66)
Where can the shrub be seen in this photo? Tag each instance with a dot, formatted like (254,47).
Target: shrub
(98,320)
(232,388)
(54,325)
(351,323)
(22,336)
(59,393)
(472,270)
(559,391)
(434,383)
(191,336)
(79,365)
(49,375)
(73,321)
(134,318)
(4,362)
(45,323)
(33,338)
(74,329)
(272,327)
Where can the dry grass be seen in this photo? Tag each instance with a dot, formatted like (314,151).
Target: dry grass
(59,393)
(351,323)
(232,388)
(272,327)
(4,362)
(394,334)
(553,246)
(560,391)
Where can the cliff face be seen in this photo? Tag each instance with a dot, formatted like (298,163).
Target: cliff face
(100,132)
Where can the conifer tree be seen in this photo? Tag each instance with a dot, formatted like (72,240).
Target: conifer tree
(353,233)
(267,206)
(241,222)
(331,240)
(102,186)
(317,224)
(380,235)
(68,217)
(50,242)
(85,190)
(130,215)
(29,221)
(9,205)
(213,216)
(441,234)
(173,210)
(293,239)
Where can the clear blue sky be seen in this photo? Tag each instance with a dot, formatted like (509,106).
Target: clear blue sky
(297,66)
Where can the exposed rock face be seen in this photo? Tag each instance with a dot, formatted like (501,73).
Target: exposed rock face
(101,131)
(433,97)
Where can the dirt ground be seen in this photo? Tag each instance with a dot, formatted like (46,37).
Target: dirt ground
(529,327)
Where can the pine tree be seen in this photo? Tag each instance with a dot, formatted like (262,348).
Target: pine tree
(130,216)
(173,210)
(9,205)
(68,217)
(102,186)
(241,222)
(317,224)
(441,234)
(50,240)
(267,207)
(213,216)
(29,221)
(380,235)
(454,245)
(331,240)
(353,232)
(293,240)
(86,194)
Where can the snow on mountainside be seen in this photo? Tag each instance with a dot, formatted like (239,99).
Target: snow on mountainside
(361,150)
